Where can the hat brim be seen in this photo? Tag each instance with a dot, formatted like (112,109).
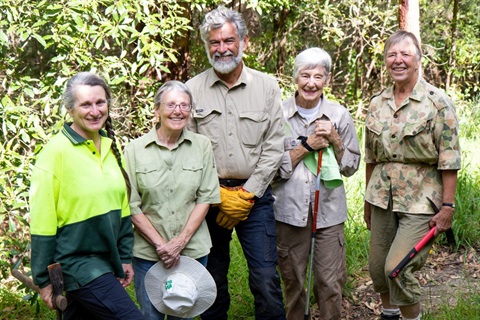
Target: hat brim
(207,290)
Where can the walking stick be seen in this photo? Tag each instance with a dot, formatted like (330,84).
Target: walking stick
(314,231)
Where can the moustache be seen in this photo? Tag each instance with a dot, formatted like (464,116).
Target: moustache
(225,54)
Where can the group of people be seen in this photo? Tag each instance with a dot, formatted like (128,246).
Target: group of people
(225,153)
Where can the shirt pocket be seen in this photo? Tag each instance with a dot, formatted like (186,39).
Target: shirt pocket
(207,124)
(253,125)
(148,176)
(375,143)
(191,175)
(418,143)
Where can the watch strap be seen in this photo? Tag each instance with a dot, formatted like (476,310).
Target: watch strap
(303,140)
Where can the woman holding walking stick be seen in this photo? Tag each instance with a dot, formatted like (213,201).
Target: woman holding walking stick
(314,123)
(412,154)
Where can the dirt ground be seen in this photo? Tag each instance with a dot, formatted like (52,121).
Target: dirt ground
(444,277)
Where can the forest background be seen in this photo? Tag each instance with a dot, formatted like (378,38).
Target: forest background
(136,45)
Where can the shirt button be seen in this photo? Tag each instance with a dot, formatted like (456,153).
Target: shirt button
(393,136)
(395,116)
(394,155)
(93,152)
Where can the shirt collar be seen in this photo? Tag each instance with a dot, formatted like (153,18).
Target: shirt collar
(151,136)
(417,93)
(324,110)
(213,78)
(73,136)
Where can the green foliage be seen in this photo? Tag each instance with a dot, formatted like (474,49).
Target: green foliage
(464,306)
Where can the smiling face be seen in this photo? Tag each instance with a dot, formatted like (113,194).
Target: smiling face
(310,85)
(90,110)
(176,119)
(225,49)
(402,62)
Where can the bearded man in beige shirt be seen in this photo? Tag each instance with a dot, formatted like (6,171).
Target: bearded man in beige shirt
(239,109)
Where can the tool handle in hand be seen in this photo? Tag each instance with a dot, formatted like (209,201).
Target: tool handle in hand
(412,253)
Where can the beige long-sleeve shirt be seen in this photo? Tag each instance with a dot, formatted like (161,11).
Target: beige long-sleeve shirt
(244,124)
(294,187)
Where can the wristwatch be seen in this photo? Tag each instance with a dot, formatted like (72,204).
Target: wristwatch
(448,204)
(303,139)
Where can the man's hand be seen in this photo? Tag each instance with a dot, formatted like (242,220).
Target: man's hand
(236,204)
(46,294)
(225,222)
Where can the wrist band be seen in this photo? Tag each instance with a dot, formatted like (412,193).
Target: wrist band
(303,139)
(446,204)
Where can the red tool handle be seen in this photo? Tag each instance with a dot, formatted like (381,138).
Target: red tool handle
(412,253)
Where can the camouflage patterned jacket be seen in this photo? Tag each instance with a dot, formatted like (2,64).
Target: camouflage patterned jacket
(410,145)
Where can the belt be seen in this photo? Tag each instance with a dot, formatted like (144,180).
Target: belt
(232,182)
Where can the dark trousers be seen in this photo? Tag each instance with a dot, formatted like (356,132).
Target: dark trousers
(104,299)
(258,241)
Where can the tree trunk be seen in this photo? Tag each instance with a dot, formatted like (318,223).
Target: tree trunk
(409,17)
(452,46)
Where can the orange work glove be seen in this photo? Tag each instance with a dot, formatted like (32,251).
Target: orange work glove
(225,222)
(235,205)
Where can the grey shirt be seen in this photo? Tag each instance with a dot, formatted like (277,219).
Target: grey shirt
(244,124)
(294,188)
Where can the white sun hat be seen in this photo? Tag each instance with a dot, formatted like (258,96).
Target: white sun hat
(184,291)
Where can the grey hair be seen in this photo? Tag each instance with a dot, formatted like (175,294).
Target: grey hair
(399,36)
(172,85)
(310,59)
(217,18)
(85,79)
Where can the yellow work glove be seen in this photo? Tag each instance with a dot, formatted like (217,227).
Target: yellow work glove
(225,222)
(235,205)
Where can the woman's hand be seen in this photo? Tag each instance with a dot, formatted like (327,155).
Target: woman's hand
(442,220)
(367,214)
(169,253)
(128,270)
(46,294)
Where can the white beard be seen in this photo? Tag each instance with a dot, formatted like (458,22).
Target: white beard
(226,66)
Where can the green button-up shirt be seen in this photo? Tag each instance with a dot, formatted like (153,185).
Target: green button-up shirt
(410,145)
(166,186)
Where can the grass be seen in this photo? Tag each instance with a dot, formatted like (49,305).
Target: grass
(462,306)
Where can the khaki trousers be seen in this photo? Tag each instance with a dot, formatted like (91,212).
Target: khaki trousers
(329,268)
(392,236)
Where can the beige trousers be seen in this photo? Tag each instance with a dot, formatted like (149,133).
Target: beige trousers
(329,268)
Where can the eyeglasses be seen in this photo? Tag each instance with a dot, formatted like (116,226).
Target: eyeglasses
(170,106)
